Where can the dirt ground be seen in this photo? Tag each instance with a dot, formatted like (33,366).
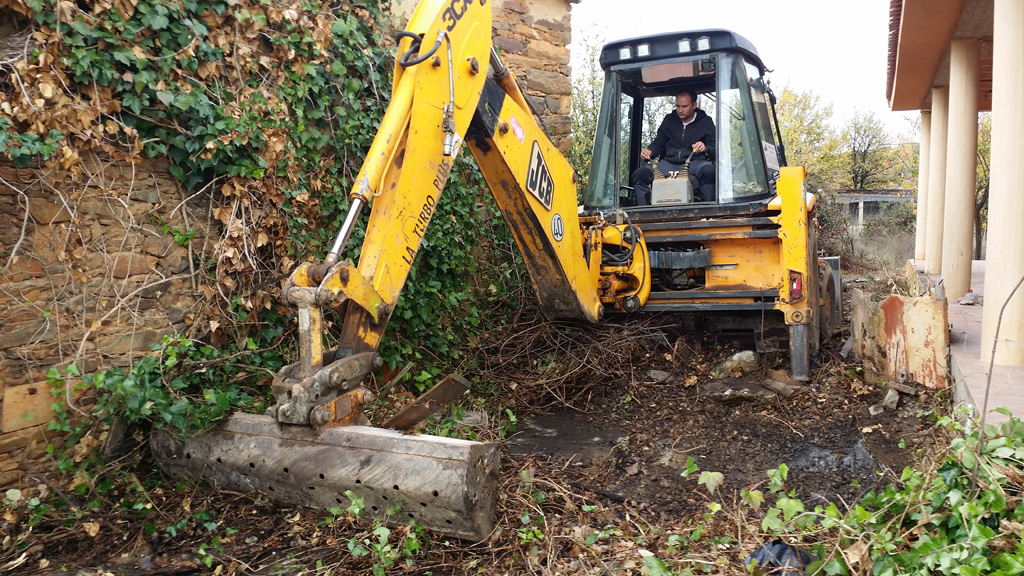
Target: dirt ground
(633,445)
(607,418)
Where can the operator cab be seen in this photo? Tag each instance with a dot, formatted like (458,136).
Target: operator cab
(642,78)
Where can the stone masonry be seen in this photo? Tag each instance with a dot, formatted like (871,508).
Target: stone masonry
(532,37)
(90,274)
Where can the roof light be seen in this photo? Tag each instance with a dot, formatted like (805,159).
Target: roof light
(703,43)
(684,45)
(625,53)
(643,50)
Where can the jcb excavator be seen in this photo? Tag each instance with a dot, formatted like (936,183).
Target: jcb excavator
(750,252)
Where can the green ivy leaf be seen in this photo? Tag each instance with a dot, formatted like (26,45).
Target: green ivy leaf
(655,566)
(753,498)
(711,480)
(691,467)
(158,22)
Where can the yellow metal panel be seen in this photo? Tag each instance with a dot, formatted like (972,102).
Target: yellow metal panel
(756,265)
(406,168)
(533,185)
(794,235)
(345,281)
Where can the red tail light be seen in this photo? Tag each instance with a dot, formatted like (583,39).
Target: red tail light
(796,285)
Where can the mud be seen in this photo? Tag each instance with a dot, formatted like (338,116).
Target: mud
(633,443)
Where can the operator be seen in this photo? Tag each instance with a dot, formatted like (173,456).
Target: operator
(688,129)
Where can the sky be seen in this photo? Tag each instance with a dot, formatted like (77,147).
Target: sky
(837,49)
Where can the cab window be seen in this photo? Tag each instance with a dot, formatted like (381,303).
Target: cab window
(741,167)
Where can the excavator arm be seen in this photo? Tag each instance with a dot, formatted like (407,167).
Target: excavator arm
(314,447)
(443,97)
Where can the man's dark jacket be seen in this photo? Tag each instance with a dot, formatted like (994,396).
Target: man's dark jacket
(674,144)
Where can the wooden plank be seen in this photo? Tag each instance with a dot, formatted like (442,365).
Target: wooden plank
(25,406)
(430,402)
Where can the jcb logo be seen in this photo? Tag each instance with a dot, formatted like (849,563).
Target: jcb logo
(456,10)
(538,179)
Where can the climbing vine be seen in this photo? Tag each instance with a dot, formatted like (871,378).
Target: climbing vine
(266,108)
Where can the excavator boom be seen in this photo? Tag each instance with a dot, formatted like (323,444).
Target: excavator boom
(314,446)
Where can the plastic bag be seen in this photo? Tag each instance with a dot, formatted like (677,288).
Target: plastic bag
(777,557)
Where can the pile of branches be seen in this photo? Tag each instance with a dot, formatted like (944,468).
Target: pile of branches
(545,363)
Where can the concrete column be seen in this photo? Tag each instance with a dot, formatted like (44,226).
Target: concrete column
(922,184)
(1004,263)
(937,180)
(961,167)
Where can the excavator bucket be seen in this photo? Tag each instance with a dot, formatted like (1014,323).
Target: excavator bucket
(445,484)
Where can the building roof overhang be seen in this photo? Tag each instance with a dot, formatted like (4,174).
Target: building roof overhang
(920,34)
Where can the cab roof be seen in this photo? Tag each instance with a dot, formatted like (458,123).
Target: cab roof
(676,44)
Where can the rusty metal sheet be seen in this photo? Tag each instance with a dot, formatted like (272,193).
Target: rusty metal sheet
(901,333)
(445,484)
(429,402)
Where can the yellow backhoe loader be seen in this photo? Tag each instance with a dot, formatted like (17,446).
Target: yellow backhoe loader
(747,254)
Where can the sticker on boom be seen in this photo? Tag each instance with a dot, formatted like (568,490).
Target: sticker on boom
(538,178)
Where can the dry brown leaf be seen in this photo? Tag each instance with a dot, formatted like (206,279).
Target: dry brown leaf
(223,213)
(91,528)
(207,69)
(855,553)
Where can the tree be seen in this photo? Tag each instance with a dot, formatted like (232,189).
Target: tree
(809,137)
(872,159)
(981,186)
(812,142)
(587,82)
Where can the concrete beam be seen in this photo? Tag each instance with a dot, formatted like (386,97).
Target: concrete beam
(926,28)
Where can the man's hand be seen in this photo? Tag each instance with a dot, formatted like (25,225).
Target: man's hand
(697,147)
(645,154)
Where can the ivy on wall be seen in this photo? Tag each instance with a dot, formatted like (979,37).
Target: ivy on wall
(267,106)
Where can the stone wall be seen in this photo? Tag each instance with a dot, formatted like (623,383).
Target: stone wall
(91,270)
(90,273)
(532,37)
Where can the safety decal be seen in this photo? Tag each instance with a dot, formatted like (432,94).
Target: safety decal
(557,227)
(538,178)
